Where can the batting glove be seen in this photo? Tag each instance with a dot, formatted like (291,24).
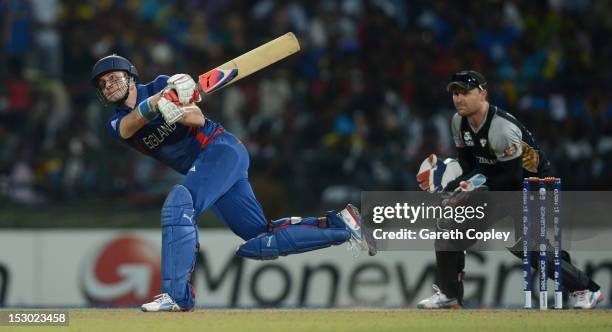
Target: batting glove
(185,88)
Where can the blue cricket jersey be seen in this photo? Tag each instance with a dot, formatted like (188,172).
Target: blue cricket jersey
(175,145)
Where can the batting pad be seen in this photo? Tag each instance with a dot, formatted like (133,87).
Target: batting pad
(292,238)
(179,240)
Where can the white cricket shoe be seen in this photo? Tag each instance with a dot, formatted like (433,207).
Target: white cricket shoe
(438,301)
(162,302)
(361,239)
(586,299)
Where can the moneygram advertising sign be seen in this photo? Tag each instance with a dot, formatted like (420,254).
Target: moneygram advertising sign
(123,271)
(122,268)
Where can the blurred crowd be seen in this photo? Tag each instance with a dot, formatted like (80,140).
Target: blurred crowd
(358,108)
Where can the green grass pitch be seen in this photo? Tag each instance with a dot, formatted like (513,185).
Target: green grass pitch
(337,320)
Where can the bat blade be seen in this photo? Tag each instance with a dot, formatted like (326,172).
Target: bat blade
(248,63)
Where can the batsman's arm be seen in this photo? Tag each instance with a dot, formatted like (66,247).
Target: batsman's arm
(146,111)
(193,117)
(140,116)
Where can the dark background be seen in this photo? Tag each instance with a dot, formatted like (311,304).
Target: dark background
(358,108)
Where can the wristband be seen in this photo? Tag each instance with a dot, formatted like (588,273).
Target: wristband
(146,111)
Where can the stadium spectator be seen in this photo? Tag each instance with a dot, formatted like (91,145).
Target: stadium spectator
(363,93)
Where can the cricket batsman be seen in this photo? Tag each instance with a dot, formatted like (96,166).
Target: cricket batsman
(160,119)
(493,143)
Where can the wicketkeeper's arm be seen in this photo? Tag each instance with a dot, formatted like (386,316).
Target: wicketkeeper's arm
(509,178)
(466,160)
(468,165)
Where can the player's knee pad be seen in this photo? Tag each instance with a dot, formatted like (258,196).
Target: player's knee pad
(179,242)
(292,239)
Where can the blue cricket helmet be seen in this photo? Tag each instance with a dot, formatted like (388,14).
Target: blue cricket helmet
(110,63)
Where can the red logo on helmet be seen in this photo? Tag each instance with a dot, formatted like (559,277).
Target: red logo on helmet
(125,271)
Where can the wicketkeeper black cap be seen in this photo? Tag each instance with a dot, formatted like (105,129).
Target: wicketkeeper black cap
(468,79)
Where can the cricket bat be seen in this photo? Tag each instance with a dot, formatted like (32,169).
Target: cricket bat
(248,63)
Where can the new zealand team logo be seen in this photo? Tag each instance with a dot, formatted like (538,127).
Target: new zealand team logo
(467,138)
(125,271)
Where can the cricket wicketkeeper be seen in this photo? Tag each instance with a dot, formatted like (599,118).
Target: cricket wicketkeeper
(493,143)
